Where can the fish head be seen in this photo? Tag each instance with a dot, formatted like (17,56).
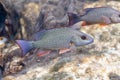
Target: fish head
(83,39)
(115,18)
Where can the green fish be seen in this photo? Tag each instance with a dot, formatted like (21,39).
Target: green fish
(55,39)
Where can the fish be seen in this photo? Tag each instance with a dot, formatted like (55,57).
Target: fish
(97,15)
(3,15)
(55,39)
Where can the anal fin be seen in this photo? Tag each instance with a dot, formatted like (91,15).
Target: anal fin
(42,53)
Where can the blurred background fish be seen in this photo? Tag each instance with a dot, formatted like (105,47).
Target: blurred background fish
(98,15)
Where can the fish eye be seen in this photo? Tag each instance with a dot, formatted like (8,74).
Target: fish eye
(83,37)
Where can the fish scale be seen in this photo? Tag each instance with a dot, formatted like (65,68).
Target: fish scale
(63,35)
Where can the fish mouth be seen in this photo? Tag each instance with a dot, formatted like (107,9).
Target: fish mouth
(91,40)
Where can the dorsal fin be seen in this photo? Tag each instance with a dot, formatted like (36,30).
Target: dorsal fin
(38,35)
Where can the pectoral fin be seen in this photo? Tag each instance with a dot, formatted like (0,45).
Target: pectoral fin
(73,48)
(106,20)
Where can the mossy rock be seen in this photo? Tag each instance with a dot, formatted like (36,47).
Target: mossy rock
(60,64)
(57,76)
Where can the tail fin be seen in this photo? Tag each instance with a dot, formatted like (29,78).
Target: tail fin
(73,18)
(25,46)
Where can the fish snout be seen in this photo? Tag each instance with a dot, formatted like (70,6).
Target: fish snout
(87,39)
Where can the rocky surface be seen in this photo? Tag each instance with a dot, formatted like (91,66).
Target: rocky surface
(97,61)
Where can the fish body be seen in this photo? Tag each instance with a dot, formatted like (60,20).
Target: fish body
(55,39)
(100,15)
